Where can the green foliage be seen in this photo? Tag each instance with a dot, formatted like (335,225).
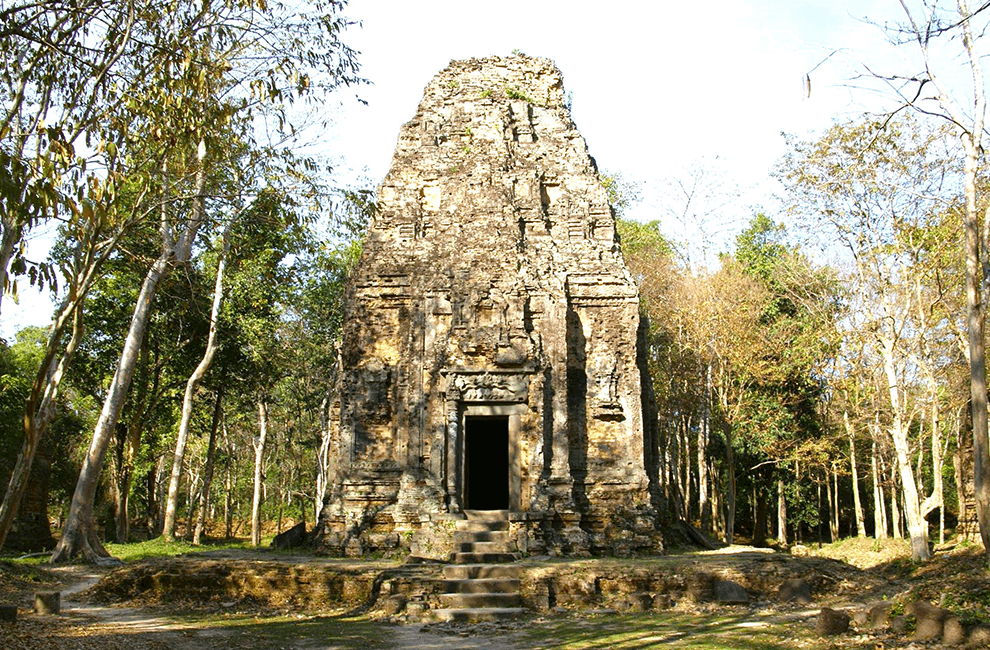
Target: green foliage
(621,193)
(514,93)
(486,93)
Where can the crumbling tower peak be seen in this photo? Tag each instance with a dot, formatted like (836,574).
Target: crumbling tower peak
(490,354)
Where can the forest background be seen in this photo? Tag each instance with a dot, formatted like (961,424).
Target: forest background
(815,352)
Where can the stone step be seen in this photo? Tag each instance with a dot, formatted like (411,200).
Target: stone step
(481,585)
(481,571)
(480,525)
(478,601)
(482,558)
(481,536)
(487,515)
(482,547)
(479,615)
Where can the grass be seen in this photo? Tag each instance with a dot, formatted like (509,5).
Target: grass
(247,632)
(668,630)
(678,630)
(158,547)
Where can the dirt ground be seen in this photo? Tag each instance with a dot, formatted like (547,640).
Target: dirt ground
(956,579)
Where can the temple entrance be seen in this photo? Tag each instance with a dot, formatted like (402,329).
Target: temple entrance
(486,462)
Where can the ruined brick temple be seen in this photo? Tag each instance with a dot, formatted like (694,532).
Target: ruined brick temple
(490,356)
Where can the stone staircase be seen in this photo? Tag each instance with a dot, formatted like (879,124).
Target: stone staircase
(481,584)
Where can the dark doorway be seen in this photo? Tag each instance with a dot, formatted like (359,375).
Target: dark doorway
(486,463)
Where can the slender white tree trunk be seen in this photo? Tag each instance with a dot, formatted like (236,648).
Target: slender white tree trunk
(857,503)
(917,525)
(781,514)
(879,513)
(704,434)
(259,460)
(211,452)
(79,533)
(172,501)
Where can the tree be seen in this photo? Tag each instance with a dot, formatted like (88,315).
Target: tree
(875,187)
(64,90)
(219,88)
(933,91)
(171,503)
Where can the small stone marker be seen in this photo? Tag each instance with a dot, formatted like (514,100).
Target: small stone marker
(831,622)
(795,590)
(394,604)
(979,636)
(48,602)
(953,632)
(729,592)
(929,619)
(879,613)
(8,613)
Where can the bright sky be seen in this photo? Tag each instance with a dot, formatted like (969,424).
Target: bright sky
(656,86)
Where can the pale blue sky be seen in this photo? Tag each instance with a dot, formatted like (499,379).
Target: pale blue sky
(655,85)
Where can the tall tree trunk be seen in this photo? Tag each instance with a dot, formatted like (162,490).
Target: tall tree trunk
(38,414)
(879,512)
(833,503)
(704,434)
(172,502)
(781,514)
(323,470)
(857,503)
(730,496)
(228,502)
(917,525)
(975,318)
(79,533)
(259,460)
(962,505)
(685,470)
(895,512)
(211,452)
(79,536)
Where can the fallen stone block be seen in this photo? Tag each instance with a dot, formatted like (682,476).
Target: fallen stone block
(700,587)
(394,604)
(879,615)
(979,636)
(898,624)
(831,622)
(929,620)
(730,593)
(292,538)
(48,602)
(795,590)
(953,632)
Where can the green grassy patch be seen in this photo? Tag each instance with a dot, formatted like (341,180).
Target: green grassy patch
(667,630)
(158,547)
(247,632)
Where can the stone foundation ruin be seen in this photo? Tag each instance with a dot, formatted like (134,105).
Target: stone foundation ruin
(491,354)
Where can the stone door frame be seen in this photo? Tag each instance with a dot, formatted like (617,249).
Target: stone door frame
(465,399)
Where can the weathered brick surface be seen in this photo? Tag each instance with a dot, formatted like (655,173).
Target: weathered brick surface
(491,285)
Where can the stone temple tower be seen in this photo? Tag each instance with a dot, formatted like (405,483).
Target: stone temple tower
(490,355)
